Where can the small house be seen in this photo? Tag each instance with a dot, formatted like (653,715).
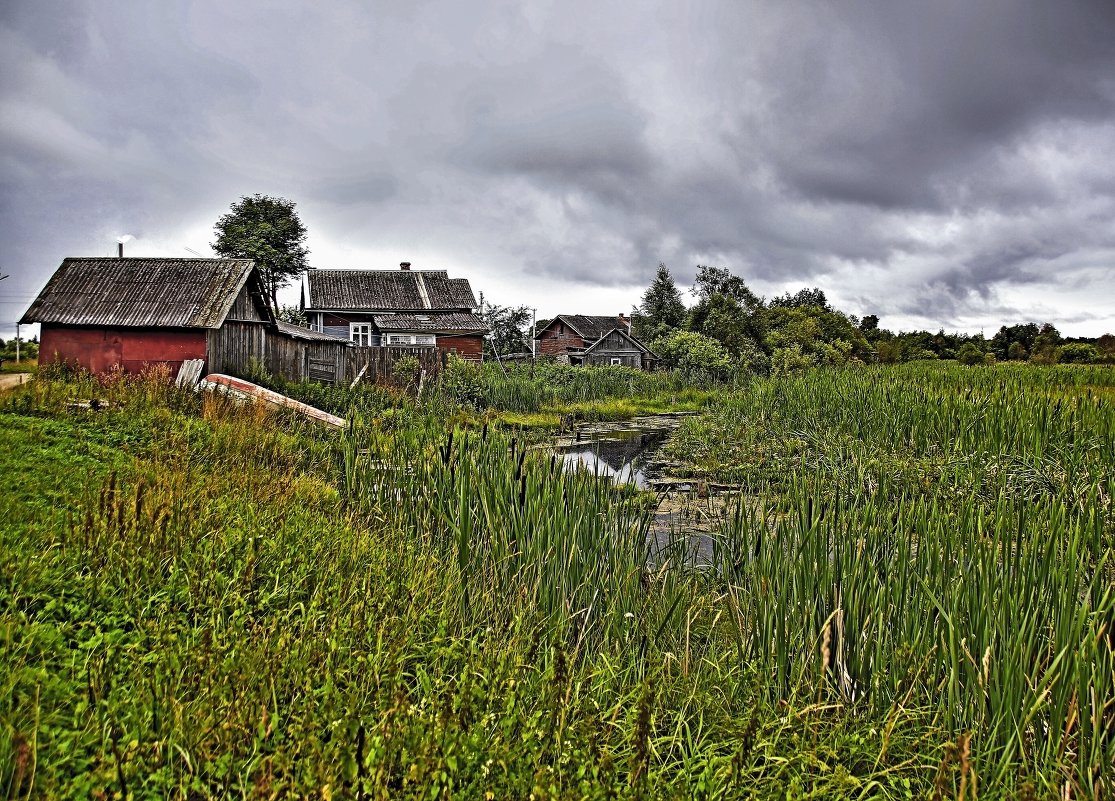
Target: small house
(104,314)
(581,339)
(395,308)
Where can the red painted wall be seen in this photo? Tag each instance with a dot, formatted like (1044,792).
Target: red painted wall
(469,347)
(99,350)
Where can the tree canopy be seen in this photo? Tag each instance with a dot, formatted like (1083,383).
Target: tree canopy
(267,230)
(804,298)
(661,310)
(508,327)
(720,281)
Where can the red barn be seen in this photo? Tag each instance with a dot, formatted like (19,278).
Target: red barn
(104,313)
(395,308)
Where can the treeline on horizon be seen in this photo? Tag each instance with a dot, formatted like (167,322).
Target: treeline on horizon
(731,327)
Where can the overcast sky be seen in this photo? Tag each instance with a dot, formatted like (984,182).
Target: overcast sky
(941,164)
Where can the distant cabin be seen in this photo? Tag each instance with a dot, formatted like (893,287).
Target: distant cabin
(581,339)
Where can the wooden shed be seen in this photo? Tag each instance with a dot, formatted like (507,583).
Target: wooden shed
(104,314)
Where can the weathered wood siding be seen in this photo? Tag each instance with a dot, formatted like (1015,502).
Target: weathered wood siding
(615,346)
(245,307)
(233,346)
(624,359)
(469,347)
(558,339)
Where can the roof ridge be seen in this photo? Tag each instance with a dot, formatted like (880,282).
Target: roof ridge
(395,271)
(156,258)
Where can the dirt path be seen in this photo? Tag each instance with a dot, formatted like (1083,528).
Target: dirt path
(9,380)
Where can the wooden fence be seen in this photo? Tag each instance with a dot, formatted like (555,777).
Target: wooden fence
(234,346)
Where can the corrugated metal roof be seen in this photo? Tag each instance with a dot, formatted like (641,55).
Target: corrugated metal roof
(148,293)
(591,327)
(439,323)
(298,332)
(374,290)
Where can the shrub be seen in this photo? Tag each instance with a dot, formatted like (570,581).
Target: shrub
(405,371)
(790,360)
(694,354)
(1079,353)
(971,355)
(463,382)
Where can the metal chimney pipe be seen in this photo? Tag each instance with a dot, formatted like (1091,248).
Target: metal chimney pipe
(119,250)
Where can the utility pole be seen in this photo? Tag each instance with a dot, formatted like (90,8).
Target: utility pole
(533,333)
(17,343)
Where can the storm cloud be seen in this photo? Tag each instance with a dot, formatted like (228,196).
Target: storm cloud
(941,164)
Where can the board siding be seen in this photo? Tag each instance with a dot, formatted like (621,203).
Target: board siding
(235,346)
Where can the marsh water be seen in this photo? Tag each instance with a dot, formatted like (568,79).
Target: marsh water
(622,457)
(687,515)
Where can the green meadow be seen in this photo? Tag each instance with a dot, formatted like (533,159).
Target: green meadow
(912,596)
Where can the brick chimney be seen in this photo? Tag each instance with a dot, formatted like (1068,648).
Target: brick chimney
(404,265)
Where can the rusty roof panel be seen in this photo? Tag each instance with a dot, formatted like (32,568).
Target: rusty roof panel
(135,293)
(375,290)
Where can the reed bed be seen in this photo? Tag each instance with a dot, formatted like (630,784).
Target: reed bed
(531,388)
(912,599)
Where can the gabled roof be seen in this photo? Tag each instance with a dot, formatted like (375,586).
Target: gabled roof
(589,327)
(132,293)
(636,344)
(385,290)
(453,322)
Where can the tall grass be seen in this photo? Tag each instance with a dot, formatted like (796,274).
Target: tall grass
(530,388)
(912,599)
(996,619)
(520,532)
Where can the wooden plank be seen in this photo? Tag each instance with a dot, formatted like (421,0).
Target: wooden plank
(190,373)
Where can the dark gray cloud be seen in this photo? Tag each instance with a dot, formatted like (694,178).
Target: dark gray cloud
(945,164)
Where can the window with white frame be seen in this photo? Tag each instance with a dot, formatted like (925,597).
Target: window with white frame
(360,333)
(411,339)
(616,360)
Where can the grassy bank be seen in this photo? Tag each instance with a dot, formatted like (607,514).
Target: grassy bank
(221,602)
(534,397)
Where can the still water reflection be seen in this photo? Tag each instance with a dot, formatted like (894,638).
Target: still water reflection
(625,460)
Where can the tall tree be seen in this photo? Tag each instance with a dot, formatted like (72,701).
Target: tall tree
(661,310)
(720,281)
(804,297)
(267,230)
(1022,335)
(721,317)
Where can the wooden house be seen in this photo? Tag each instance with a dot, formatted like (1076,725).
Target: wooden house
(108,313)
(581,339)
(395,308)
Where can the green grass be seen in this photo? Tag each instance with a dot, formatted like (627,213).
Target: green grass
(22,366)
(199,600)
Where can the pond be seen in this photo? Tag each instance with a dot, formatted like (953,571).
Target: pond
(687,514)
(624,458)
